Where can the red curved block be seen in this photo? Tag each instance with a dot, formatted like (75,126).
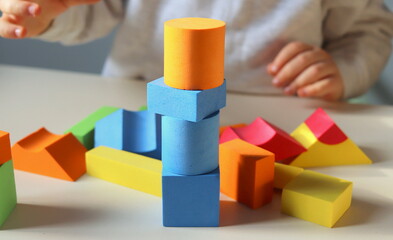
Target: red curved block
(324,128)
(44,153)
(267,136)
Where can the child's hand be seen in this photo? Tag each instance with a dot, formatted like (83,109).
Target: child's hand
(306,71)
(28,18)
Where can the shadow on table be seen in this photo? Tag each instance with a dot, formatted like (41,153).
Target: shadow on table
(233,213)
(374,154)
(31,216)
(360,212)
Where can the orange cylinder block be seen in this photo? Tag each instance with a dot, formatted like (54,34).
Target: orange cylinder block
(194,50)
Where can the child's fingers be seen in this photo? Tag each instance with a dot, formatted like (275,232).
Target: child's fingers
(313,73)
(10,30)
(328,89)
(286,54)
(19,8)
(297,65)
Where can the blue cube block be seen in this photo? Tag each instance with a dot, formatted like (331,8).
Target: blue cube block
(190,148)
(190,105)
(138,132)
(191,201)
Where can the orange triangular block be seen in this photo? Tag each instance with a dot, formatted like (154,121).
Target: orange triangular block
(267,136)
(326,144)
(5,150)
(44,153)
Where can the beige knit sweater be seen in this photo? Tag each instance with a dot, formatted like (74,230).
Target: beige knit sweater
(356,33)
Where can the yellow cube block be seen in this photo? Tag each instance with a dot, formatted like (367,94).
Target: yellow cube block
(317,198)
(283,174)
(125,168)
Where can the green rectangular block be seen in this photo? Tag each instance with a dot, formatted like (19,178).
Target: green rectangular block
(84,130)
(142,108)
(7,191)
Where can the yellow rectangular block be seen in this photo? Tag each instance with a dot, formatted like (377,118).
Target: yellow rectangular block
(283,174)
(125,168)
(317,198)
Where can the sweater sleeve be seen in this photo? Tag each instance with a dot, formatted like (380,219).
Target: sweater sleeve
(85,23)
(358,37)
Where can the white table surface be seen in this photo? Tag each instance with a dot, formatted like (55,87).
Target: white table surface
(94,209)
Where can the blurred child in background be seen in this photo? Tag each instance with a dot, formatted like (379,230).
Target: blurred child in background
(326,49)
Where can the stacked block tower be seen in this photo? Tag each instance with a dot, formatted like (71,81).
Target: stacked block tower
(189,98)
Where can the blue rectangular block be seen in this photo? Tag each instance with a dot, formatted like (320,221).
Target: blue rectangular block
(191,201)
(190,105)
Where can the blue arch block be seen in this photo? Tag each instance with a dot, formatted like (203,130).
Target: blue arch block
(138,132)
(190,148)
(191,201)
(190,105)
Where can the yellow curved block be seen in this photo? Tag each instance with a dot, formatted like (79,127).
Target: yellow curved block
(317,198)
(283,174)
(125,168)
(194,53)
(321,154)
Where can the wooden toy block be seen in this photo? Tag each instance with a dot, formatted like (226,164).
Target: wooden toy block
(191,201)
(194,53)
(137,132)
(7,191)
(44,153)
(222,128)
(5,149)
(84,130)
(283,174)
(267,136)
(317,198)
(190,105)
(247,173)
(326,144)
(125,168)
(190,148)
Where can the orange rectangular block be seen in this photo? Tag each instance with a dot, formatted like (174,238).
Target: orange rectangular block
(246,173)
(5,149)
